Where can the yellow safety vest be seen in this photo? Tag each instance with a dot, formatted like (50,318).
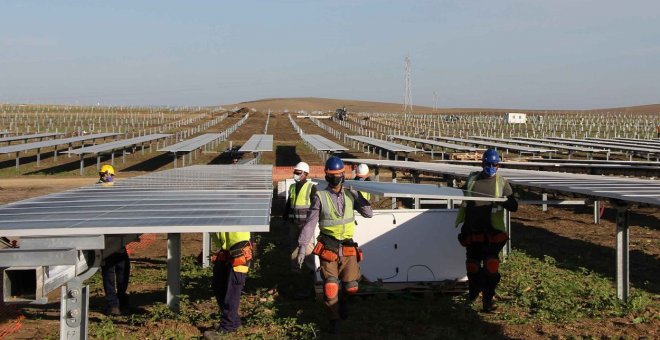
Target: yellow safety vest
(225,240)
(366,195)
(300,203)
(330,223)
(497,213)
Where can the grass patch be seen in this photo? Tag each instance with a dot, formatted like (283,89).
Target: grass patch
(537,290)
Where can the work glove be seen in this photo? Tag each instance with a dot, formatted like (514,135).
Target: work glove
(301,257)
(511,204)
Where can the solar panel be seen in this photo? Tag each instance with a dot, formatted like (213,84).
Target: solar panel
(643,190)
(120,144)
(258,143)
(388,189)
(548,145)
(437,143)
(201,198)
(385,145)
(193,143)
(591,144)
(321,143)
(497,145)
(550,163)
(26,137)
(54,142)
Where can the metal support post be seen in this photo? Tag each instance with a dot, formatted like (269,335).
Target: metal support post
(622,261)
(173,270)
(18,158)
(206,249)
(507,226)
(82,164)
(597,211)
(545,198)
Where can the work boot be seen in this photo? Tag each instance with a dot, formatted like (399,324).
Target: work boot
(488,306)
(472,296)
(113,310)
(343,309)
(333,327)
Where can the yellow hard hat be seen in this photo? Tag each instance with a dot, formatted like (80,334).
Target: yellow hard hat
(107,168)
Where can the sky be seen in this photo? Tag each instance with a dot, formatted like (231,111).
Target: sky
(535,54)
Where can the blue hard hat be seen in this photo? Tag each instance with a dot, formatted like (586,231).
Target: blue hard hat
(491,156)
(334,165)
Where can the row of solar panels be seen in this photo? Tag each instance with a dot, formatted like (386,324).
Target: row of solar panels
(257,143)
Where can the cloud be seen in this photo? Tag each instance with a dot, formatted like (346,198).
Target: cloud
(27,41)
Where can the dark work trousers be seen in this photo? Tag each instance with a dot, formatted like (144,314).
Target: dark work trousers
(227,286)
(483,281)
(115,272)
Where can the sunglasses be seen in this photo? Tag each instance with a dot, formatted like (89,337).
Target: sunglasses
(297,172)
(491,165)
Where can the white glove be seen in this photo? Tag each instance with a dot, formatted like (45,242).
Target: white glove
(301,256)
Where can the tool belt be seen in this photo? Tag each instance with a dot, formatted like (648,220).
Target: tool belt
(467,239)
(329,248)
(239,254)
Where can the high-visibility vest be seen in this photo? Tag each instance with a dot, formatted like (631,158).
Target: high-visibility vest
(330,223)
(300,203)
(497,212)
(366,195)
(225,240)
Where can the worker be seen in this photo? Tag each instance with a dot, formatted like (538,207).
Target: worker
(106,174)
(362,174)
(115,264)
(483,233)
(295,213)
(115,272)
(339,255)
(230,267)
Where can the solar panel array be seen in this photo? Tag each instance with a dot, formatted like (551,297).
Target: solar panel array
(54,142)
(258,143)
(193,143)
(502,146)
(120,144)
(26,137)
(546,145)
(382,144)
(626,189)
(201,198)
(592,144)
(437,143)
(321,143)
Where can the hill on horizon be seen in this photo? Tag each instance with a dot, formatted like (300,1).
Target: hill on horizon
(328,104)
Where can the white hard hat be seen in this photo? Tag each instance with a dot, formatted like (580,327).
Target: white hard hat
(362,170)
(302,166)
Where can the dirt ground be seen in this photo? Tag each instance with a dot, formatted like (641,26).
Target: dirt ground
(562,233)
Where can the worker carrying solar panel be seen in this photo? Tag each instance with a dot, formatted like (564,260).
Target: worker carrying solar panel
(339,255)
(230,267)
(483,233)
(295,214)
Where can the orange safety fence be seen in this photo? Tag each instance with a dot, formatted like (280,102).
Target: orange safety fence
(145,241)
(281,173)
(11,319)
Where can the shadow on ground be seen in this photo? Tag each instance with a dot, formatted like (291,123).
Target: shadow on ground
(573,254)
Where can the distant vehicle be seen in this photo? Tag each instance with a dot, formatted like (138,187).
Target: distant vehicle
(341,114)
